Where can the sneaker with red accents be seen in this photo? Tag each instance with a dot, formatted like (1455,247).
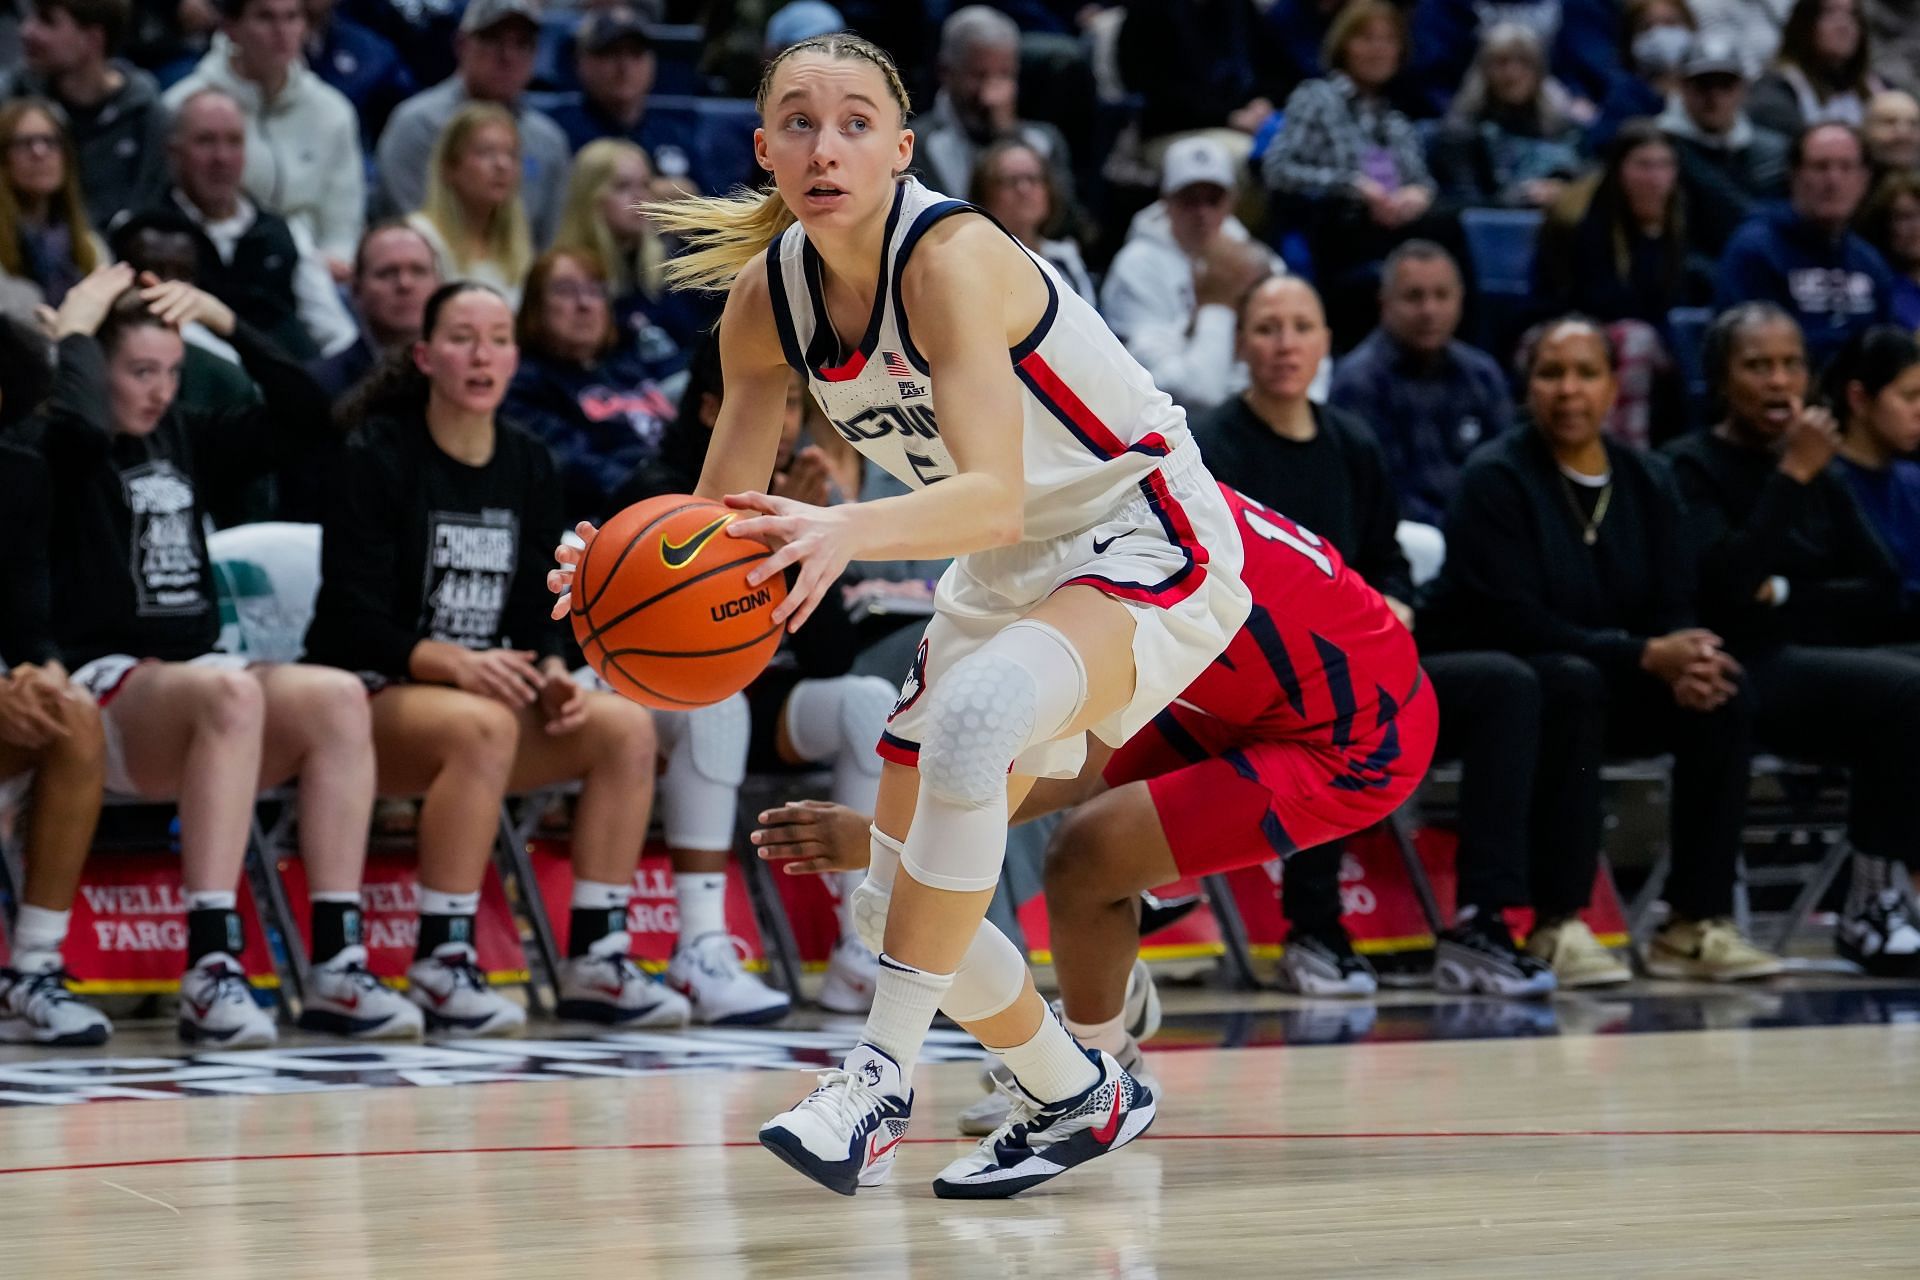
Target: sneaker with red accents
(1040,1141)
(453,992)
(843,1134)
(217,1006)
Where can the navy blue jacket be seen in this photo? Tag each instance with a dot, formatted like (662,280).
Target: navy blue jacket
(600,422)
(364,68)
(1834,288)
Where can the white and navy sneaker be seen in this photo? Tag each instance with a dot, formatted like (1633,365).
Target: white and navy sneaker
(852,972)
(37,1008)
(708,971)
(612,990)
(1478,957)
(1040,1141)
(1143,1003)
(452,990)
(842,1135)
(345,999)
(1878,932)
(217,1006)
(988,1114)
(1316,964)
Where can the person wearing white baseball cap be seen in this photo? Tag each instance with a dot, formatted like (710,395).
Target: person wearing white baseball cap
(1171,292)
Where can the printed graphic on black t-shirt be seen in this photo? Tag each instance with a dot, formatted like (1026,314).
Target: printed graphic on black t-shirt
(165,553)
(470,563)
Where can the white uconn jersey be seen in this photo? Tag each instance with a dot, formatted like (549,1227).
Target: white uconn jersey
(1095,428)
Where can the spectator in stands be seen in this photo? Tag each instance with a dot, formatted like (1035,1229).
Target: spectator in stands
(613,56)
(1509,138)
(1570,551)
(605,219)
(496,48)
(254,261)
(1431,398)
(363,67)
(1627,257)
(112,108)
(1321,467)
(1893,30)
(1806,257)
(46,245)
(1874,385)
(134,611)
(578,388)
(393,273)
(52,753)
(1199,64)
(1729,166)
(979,102)
(1582,35)
(1013,182)
(1654,38)
(1793,577)
(1891,131)
(472,213)
(1750,28)
(1352,166)
(303,139)
(1890,222)
(432,585)
(1171,290)
(1823,72)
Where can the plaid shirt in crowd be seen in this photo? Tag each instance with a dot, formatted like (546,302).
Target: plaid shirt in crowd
(1329,128)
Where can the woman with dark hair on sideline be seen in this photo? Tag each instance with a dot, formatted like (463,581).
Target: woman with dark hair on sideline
(1874,387)
(1808,599)
(431,589)
(1568,550)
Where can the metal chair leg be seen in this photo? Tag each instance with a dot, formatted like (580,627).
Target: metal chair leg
(1233,932)
(510,851)
(1400,824)
(1811,893)
(776,932)
(263,872)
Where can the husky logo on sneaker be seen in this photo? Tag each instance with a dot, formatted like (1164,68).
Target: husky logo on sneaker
(872,1070)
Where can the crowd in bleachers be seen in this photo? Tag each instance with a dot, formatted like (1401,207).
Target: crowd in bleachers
(383,270)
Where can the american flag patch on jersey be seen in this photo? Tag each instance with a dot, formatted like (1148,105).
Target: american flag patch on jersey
(896,366)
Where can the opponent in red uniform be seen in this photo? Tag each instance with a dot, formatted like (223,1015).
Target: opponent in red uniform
(1314,723)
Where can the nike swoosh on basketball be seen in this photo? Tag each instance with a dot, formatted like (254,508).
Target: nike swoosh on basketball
(1104,1134)
(677,556)
(1100,548)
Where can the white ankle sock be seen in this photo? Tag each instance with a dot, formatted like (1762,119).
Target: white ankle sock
(1050,1066)
(596,895)
(1110,1035)
(435,903)
(904,1002)
(38,935)
(702,897)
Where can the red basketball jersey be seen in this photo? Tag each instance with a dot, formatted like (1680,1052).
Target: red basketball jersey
(1321,655)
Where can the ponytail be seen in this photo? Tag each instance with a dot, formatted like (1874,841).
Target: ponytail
(724,233)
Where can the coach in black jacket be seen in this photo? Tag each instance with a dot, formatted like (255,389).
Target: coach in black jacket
(1570,551)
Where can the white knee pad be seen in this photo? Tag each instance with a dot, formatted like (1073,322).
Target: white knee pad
(838,721)
(706,752)
(1023,686)
(870,899)
(991,974)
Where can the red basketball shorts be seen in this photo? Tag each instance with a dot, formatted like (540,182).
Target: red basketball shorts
(1227,800)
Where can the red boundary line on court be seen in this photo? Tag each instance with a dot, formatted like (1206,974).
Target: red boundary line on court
(1355,1136)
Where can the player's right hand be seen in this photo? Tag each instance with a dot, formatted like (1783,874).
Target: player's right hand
(813,836)
(560,581)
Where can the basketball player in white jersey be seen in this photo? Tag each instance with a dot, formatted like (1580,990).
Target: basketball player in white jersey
(1097,574)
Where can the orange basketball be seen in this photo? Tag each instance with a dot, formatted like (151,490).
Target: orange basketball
(662,609)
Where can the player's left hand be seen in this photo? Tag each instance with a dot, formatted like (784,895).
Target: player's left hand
(568,556)
(812,837)
(817,539)
(562,702)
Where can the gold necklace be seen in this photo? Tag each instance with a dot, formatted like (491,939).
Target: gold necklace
(1590,525)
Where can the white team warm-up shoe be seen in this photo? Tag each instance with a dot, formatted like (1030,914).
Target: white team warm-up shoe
(217,1006)
(614,991)
(707,970)
(852,971)
(451,989)
(37,1008)
(1040,1141)
(842,1135)
(345,999)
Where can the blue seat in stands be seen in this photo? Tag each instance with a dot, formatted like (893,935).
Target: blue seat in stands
(1501,242)
(1687,337)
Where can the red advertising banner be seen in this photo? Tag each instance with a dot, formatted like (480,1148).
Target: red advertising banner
(653,917)
(129,930)
(390,906)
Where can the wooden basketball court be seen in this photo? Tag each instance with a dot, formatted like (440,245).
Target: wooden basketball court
(1744,1151)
